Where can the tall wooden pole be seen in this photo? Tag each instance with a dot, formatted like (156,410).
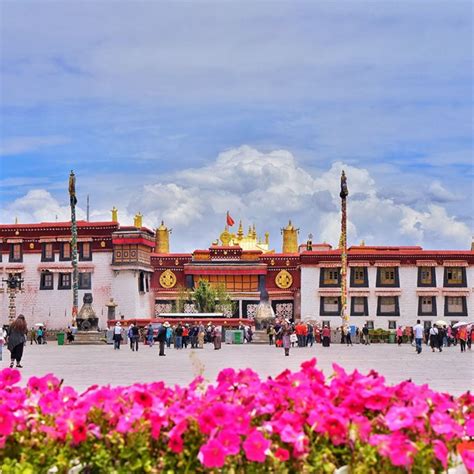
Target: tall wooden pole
(75,283)
(343,246)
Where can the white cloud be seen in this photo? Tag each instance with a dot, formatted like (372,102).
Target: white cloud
(268,189)
(19,145)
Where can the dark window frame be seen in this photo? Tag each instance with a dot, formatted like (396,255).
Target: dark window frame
(433,277)
(12,259)
(43,285)
(391,313)
(61,285)
(43,252)
(396,275)
(81,252)
(329,285)
(322,312)
(80,283)
(464,307)
(394,323)
(463,283)
(366,278)
(62,258)
(366,306)
(370,324)
(434,310)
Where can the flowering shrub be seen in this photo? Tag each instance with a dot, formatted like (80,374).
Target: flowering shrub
(297,422)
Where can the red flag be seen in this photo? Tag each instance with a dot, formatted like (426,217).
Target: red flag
(229,220)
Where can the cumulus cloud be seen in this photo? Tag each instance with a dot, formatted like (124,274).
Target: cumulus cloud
(268,189)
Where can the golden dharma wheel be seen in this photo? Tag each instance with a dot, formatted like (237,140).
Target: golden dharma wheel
(283,279)
(167,279)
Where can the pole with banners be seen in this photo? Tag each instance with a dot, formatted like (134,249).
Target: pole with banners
(75,276)
(343,246)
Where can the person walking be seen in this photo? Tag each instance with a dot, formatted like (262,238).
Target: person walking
(217,338)
(162,337)
(418,333)
(200,337)
(271,334)
(462,336)
(365,333)
(33,336)
(433,337)
(39,334)
(441,338)
(326,333)
(178,339)
(117,335)
(286,338)
(347,333)
(169,335)
(310,336)
(135,337)
(400,335)
(150,335)
(16,340)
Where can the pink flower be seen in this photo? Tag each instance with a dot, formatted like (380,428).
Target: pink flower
(443,424)
(229,441)
(212,454)
(176,444)
(49,403)
(255,446)
(7,421)
(466,450)
(397,447)
(9,377)
(469,427)
(398,418)
(441,452)
(143,398)
(282,454)
(79,432)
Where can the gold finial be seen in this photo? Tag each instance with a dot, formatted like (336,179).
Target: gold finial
(225,237)
(250,231)
(267,238)
(240,232)
(114,212)
(290,238)
(162,239)
(362,243)
(254,232)
(138,220)
(16,220)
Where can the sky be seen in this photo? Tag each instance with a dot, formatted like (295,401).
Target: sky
(184,110)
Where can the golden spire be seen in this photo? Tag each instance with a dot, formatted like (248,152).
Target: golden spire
(114,212)
(240,232)
(138,220)
(267,238)
(290,238)
(16,220)
(362,243)
(254,232)
(162,239)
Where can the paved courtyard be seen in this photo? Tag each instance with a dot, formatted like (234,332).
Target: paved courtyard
(82,366)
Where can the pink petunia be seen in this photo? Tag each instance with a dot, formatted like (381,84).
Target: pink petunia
(398,417)
(441,452)
(9,377)
(466,450)
(212,454)
(176,444)
(7,421)
(443,424)
(229,441)
(282,454)
(255,446)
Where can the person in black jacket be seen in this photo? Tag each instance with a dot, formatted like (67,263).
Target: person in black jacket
(162,337)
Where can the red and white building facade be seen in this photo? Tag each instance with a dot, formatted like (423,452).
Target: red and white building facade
(387,286)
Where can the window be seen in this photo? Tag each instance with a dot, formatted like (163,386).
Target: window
(85,252)
(426,325)
(455,306)
(47,281)
(359,276)
(141,282)
(47,254)
(359,306)
(85,281)
(455,276)
(392,325)
(388,306)
(388,276)
(16,254)
(370,324)
(327,323)
(330,306)
(65,251)
(427,306)
(329,277)
(64,282)
(231,282)
(426,276)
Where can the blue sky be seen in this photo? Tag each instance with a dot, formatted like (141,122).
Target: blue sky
(147,101)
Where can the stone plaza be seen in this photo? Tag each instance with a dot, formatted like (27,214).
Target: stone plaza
(82,366)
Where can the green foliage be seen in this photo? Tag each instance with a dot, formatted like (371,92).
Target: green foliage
(204,297)
(184,295)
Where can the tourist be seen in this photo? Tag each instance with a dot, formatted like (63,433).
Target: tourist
(347,334)
(418,333)
(449,336)
(326,333)
(366,335)
(135,337)
(310,336)
(209,331)
(470,337)
(178,337)
(462,336)
(130,336)
(286,338)
(441,337)
(193,336)
(185,335)
(33,336)
(433,336)
(69,335)
(117,335)
(162,339)
(3,338)
(39,334)
(271,334)
(16,340)
(293,339)
(169,335)
(150,335)
(217,338)
(400,335)
(200,337)
(317,334)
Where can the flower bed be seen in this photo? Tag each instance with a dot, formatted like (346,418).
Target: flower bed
(297,422)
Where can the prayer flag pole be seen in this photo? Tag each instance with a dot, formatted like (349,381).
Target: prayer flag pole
(73,202)
(343,246)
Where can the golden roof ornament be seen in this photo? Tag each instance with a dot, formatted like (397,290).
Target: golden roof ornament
(138,220)
(240,232)
(114,212)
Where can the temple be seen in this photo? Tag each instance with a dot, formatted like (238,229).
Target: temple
(131,272)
